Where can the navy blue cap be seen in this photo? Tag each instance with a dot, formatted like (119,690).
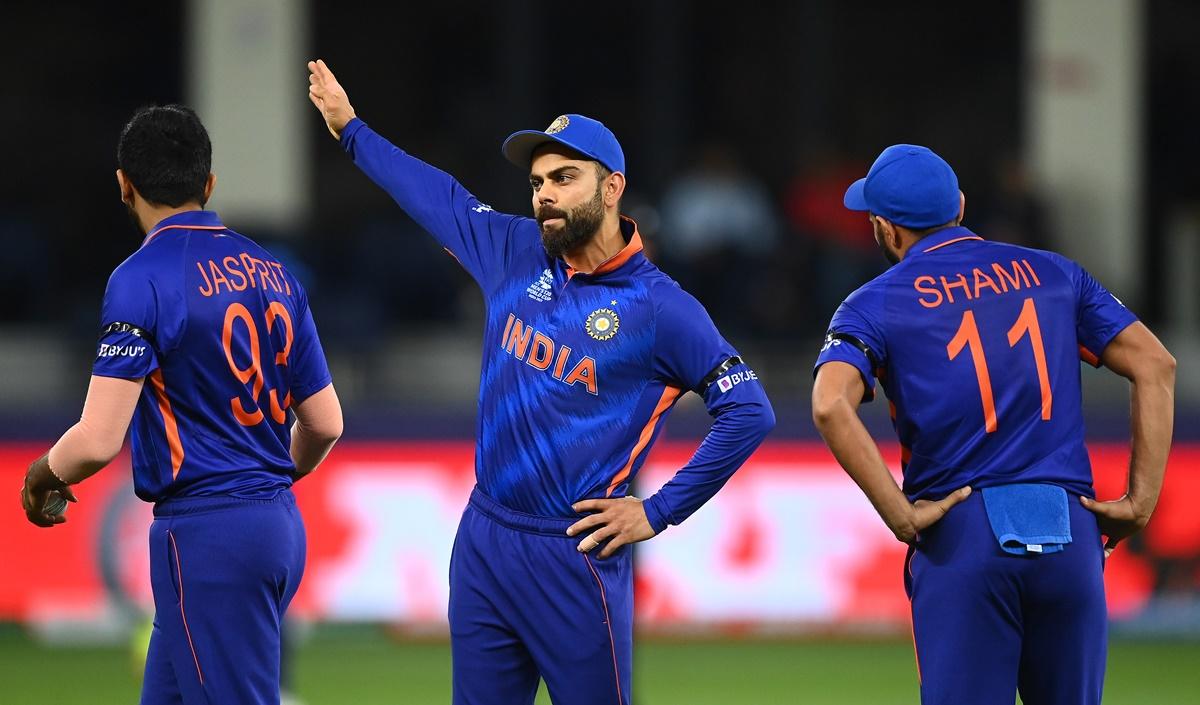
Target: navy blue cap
(584,135)
(908,185)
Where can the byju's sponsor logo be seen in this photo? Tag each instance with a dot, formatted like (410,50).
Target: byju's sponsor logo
(730,381)
(107,350)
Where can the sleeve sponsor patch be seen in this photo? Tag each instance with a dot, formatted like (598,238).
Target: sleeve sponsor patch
(733,379)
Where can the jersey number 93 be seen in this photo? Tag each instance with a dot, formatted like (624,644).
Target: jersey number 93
(253,374)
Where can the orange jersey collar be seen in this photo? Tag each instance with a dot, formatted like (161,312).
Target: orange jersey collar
(633,245)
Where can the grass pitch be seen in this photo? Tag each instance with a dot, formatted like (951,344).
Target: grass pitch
(365,666)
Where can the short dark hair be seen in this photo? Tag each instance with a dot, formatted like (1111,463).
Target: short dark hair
(165,153)
(929,231)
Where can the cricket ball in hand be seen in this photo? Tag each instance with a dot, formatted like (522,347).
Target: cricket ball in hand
(56,504)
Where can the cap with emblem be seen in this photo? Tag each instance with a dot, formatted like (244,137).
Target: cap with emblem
(910,186)
(584,135)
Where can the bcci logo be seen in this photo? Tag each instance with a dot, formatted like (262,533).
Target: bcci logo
(602,324)
(560,123)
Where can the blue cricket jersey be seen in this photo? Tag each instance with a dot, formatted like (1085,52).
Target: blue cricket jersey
(579,370)
(977,345)
(224,337)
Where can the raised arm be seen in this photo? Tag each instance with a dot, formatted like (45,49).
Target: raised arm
(330,98)
(482,240)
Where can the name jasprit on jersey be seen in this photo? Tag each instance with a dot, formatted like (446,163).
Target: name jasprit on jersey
(241,271)
(1002,279)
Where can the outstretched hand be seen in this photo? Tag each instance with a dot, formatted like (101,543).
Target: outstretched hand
(330,98)
(1118,519)
(620,521)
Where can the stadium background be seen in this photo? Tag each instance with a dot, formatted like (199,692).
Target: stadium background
(1071,124)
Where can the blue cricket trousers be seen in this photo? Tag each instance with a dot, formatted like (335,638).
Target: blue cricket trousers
(988,624)
(223,571)
(525,603)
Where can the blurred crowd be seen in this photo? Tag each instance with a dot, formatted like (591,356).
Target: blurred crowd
(770,261)
(742,130)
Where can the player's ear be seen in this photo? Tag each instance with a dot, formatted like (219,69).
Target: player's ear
(889,231)
(962,207)
(126,187)
(614,188)
(209,184)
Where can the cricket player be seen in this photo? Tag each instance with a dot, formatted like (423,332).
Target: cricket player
(977,345)
(587,347)
(208,344)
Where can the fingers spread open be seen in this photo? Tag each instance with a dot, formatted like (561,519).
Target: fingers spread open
(613,544)
(592,505)
(585,524)
(596,538)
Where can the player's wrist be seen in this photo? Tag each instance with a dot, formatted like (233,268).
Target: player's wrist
(40,476)
(656,515)
(338,126)
(1142,508)
(902,521)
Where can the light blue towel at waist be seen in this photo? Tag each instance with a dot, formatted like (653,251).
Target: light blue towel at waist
(1028,519)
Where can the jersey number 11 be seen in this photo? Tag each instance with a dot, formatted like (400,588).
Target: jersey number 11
(968,336)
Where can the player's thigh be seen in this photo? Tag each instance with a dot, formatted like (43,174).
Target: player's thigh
(233,573)
(172,673)
(966,608)
(491,666)
(1066,621)
(490,662)
(159,685)
(160,682)
(582,639)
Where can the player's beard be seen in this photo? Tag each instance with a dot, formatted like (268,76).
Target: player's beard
(890,256)
(580,224)
(133,218)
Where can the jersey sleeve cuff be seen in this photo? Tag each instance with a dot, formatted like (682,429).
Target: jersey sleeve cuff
(864,370)
(120,374)
(1091,351)
(348,133)
(657,513)
(301,393)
